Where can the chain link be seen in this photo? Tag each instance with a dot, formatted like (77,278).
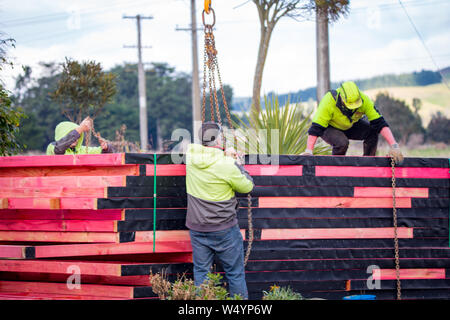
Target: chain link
(210,62)
(396,246)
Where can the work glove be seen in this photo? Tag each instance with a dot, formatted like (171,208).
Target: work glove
(86,124)
(307,152)
(395,153)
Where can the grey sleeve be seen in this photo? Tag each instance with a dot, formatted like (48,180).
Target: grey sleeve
(64,143)
(110,149)
(244,172)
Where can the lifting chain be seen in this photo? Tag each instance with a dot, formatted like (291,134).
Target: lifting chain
(396,246)
(210,69)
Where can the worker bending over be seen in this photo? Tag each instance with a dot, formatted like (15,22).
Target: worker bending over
(69,139)
(338,119)
(212,178)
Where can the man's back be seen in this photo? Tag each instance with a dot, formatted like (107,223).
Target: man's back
(211,181)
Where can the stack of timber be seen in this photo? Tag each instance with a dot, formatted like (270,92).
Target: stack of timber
(322,225)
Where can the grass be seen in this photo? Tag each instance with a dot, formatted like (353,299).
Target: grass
(437,150)
(435,97)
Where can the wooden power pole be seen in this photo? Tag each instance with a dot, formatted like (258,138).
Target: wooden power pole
(143,127)
(323,54)
(196,111)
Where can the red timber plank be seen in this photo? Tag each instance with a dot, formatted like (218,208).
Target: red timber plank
(65,181)
(66,214)
(12,251)
(52,203)
(62,288)
(4,203)
(274,170)
(57,192)
(166,169)
(63,160)
(374,192)
(59,225)
(48,236)
(331,202)
(382,172)
(254,170)
(390,274)
(141,280)
(335,233)
(65,267)
(123,170)
(44,296)
(100,249)
(166,236)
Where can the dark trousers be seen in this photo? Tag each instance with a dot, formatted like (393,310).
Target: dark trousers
(361,130)
(227,246)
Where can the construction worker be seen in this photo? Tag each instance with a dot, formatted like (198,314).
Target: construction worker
(212,178)
(338,119)
(69,139)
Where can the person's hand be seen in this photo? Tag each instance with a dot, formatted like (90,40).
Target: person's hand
(307,152)
(395,153)
(103,143)
(85,125)
(231,152)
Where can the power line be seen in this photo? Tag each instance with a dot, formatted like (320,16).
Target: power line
(424,45)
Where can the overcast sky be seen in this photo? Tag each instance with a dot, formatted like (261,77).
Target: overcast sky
(375,38)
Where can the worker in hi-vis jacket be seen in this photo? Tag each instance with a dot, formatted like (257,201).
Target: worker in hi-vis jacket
(69,139)
(213,175)
(338,119)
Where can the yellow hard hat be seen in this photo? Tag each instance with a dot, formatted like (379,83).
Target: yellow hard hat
(350,95)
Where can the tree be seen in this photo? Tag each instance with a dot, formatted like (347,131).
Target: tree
(402,121)
(270,12)
(84,89)
(10,116)
(438,128)
(43,113)
(326,11)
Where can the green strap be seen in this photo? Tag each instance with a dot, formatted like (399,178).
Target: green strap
(154,201)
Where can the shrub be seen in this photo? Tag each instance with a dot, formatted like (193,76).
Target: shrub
(281,293)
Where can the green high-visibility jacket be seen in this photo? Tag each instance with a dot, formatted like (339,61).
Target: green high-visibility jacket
(211,182)
(328,113)
(65,135)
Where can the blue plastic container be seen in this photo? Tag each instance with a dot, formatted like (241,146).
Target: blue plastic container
(360,297)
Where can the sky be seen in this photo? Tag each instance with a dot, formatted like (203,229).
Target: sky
(375,38)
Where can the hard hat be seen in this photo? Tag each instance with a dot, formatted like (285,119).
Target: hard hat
(350,95)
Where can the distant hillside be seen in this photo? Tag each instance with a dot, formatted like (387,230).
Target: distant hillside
(414,79)
(434,97)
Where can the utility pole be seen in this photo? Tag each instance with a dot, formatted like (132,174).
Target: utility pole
(143,128)
(196,112)
(322,54)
